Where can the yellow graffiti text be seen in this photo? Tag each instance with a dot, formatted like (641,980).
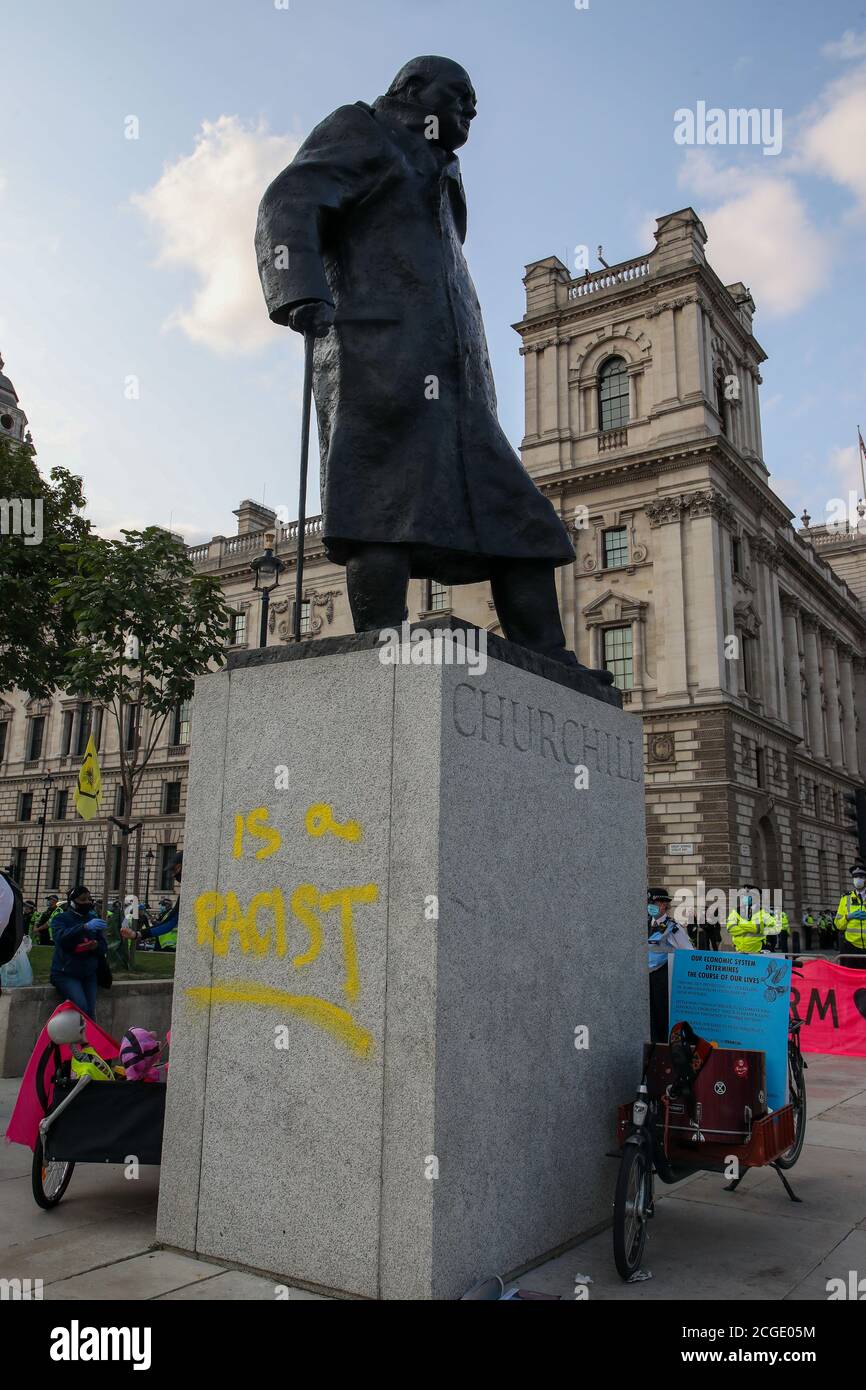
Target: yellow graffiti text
(319,820)
(318,1012)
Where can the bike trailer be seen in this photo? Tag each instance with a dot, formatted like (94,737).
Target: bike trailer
(108,1122)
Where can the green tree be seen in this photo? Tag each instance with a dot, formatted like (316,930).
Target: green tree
(145,626)
(35,628)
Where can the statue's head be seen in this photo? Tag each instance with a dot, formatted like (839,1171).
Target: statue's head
(438,87)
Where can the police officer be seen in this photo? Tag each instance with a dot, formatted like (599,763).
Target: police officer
(748,925)
(782,926)
(808,927)
(666,935)
(851,920)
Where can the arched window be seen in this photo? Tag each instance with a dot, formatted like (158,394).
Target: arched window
(613,395)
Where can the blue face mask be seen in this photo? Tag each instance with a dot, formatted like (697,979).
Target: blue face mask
(748,900)
(653,909)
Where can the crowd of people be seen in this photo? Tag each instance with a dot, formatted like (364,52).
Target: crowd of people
(752,929)
(86,943)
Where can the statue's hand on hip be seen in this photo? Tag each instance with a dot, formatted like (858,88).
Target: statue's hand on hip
(313,317)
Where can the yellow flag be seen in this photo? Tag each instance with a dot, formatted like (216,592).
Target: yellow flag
(88,792)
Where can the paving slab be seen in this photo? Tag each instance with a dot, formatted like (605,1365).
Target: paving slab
(62,1254)
(696,1253)
(847,1258)
(828,1134)
(828,1181)
(142,1277)
(236,1285)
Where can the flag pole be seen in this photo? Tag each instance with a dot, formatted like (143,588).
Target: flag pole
(309,339)
(861,449)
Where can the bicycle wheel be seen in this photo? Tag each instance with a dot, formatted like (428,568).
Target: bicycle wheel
(50,1178)
(630,1203)
(797,1085)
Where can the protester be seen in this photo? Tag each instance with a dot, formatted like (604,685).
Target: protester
(851,920)
(665,936)
(78,949)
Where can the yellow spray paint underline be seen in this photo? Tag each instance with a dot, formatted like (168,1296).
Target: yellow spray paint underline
(319,1012)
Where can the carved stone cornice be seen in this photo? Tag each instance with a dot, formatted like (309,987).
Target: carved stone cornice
(655,309)
(663,510)
(765,551)
(711,502)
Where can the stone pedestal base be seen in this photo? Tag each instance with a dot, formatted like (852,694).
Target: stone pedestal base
(401,921)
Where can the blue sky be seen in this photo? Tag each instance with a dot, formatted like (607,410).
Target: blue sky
(132,258)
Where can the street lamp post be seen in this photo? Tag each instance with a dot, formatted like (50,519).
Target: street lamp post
(48,783)
(267,569)
(149,858)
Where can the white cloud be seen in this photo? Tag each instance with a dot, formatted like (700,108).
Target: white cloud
(851,45)
(833,140)
(203,211)
(760,232)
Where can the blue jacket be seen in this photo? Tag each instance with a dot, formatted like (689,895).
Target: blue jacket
(69,929)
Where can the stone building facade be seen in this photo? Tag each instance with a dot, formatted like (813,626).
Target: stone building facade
(738,644)
(728,631)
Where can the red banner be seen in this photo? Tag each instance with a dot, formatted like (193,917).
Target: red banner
(830,1001)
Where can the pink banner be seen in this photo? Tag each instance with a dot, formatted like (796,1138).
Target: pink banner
(830,1001)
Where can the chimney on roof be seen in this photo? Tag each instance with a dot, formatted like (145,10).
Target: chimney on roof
(254,516)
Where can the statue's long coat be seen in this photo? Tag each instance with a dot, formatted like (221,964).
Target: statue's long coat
(371,217)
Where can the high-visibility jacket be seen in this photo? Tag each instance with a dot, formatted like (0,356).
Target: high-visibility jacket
(851,919)
(747,933)
(780,923)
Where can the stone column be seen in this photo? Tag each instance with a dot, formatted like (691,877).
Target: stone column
(860,708)
(792,659)
(671,677)
(665,358)
(764,557)
(849,712)
(705,598)
(813,678)
(831,695)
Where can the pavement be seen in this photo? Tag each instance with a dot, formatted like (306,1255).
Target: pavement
(705,1243)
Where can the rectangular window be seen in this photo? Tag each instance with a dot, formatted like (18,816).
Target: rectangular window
(618,656)
(66,733)
(61,801)
(119,800)
(180,724)
(55,867)
(25,806)
(171,798)
(4,725)
(116,852)
(19,866)
(97,727)
(166,854)
(79,863)
(615,547)
(737,555)
(83,729)
(305,617)
(35,735)
(438,597)
(239,629)
(131,716)
(760,775)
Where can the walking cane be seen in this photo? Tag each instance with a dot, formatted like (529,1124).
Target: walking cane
(309,339)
